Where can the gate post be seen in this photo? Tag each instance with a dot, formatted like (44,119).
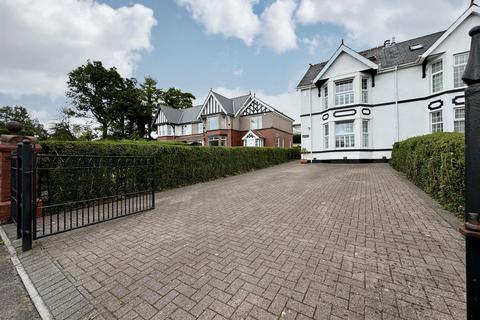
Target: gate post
(27,195)
(471,229)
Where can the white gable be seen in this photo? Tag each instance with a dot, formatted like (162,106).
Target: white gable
(161,118)
(211,106)
(458,40)
(344,64)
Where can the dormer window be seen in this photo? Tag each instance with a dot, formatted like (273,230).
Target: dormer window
(344,92)
(437,76)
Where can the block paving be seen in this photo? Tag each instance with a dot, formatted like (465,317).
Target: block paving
(321,241)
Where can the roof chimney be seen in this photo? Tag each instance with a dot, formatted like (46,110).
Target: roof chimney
(393,41)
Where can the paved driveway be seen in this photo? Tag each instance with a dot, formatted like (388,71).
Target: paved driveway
(295,241)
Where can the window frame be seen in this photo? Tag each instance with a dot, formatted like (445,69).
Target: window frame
(346,138)
(216,117)
(459,83)
(325,97)
(436,123)
(457,120)
(364,90)
(326,135)
(221,140)
(365,134)
(345,93)
(259,123)
(437,75)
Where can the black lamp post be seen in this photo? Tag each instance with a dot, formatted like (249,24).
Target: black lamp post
(471,229)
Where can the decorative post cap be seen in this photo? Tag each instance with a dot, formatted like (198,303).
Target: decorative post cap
(472,70)
(13,127)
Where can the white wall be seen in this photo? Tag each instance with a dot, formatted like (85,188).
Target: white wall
(413,117)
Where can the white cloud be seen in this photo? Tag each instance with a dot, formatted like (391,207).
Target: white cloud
(278,27)
(372,21)
(275,28)
(286,102)
(232,18)
(43,40)
(312,44)
(237,72)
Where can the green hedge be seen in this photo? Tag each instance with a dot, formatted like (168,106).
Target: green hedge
(174,165)
(435,163)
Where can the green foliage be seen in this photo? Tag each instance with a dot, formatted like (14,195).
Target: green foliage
(30,127)
(435,163)
(177,99)
(175,165)
(94,89)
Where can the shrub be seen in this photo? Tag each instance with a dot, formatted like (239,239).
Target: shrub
(435,163)
(174,165)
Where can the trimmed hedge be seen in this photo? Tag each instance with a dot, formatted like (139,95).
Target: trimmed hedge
(435,163)
(175,165)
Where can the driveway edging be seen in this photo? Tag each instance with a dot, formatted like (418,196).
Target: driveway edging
(37,300)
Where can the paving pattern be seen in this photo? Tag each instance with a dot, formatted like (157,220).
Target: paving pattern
(295,241)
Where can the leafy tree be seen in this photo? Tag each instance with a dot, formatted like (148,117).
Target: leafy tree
(94,89)
(150,96)
(177,99)
(87,135)
(30,127)
(63,129)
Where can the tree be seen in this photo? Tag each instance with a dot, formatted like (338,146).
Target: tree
(87,135)
(94,89)
(30,127)
(63,129)
(177,99)
(150,96)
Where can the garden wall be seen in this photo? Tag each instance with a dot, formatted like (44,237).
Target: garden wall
(436,164)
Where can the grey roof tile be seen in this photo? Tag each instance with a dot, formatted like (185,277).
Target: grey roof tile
(385,57)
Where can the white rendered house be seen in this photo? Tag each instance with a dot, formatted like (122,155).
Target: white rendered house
(356,105)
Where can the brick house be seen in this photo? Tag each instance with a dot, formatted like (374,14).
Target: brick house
(220,121)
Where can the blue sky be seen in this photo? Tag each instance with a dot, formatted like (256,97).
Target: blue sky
(229,45)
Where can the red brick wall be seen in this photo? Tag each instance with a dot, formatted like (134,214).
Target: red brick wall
(271,135)
(166,138)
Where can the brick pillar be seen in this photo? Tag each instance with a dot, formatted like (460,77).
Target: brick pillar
(8,143)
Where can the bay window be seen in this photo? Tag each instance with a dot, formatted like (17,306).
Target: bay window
(436,121)
(459,119)
(215,141)
(364,90)
(459,63)
(365,131)
(437,76)
(256,122)
(212,123)
(344,92)
(325,135)
(344,134)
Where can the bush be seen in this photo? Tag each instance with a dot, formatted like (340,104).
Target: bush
(435,163)
(174,165)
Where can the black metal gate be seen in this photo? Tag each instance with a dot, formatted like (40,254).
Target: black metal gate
(53,193)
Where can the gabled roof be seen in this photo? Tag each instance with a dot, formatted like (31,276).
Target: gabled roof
(179,116)
(344,49)
(226,103)
(256,133)
(384,56)
(473,9)
(238,102)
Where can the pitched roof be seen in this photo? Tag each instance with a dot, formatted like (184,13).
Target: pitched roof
(190,114)
(238,102)
(226,103)
(179,116)
(385,56)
